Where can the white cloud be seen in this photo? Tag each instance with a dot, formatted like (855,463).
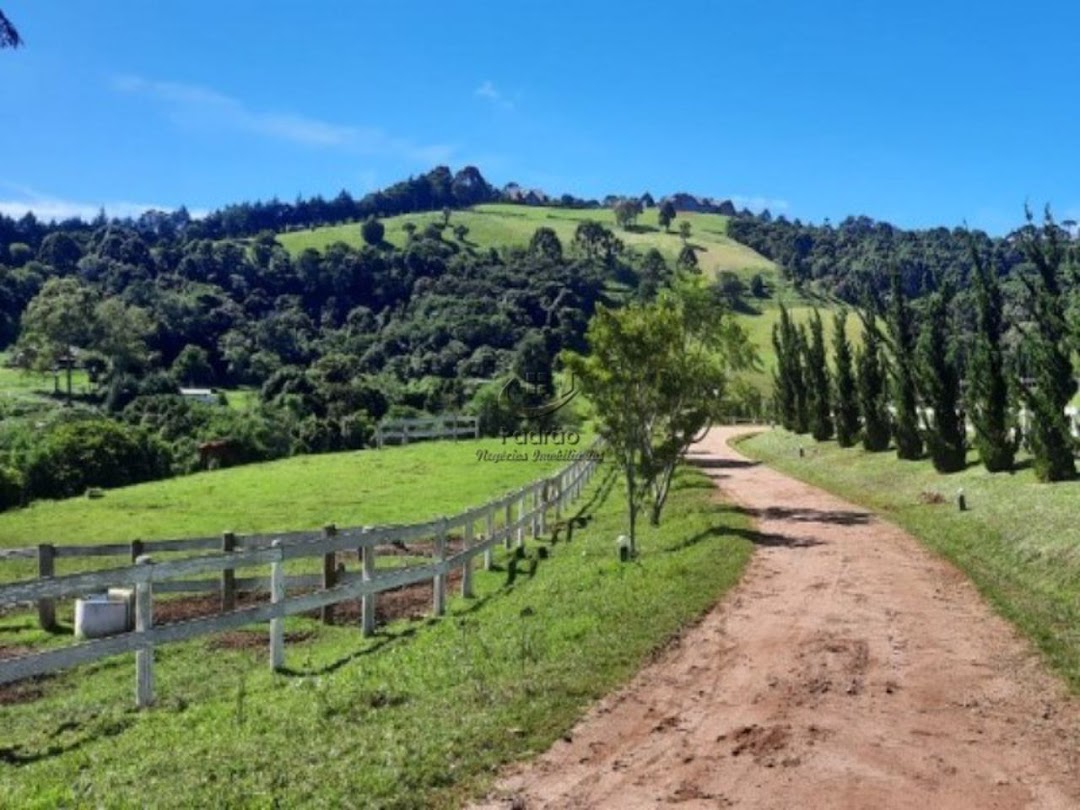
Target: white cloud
(489,92)
(48,208)
(202,105)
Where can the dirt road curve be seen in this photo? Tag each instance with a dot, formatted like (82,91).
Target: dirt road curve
(850,669)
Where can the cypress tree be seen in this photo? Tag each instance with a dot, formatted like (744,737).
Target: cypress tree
(821,420)
(988,395)
(800,374)
(788,379)
(847,403)
(939,380)
(783,381)
(873,397)
(1049,350)
(902,333)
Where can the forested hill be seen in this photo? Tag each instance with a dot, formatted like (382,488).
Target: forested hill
(857,256)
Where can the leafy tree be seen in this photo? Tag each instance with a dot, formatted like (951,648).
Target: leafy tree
(757,286)
(687,258)
(654,273)
(410,229)
(9,37)
(1049,347)
(626,212)
(545,242)
(729,289)
(988,394)
(446,212)
(846,395)
(120,333)
(373,231)
(57,321)
(872,386)
(596,241)
(939,380)
(655,376)
(666,215)
(192,366)
(461,230)
(819,391)
(909,443)
(684,230)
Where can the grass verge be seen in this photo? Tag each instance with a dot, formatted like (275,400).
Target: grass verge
(1019,542)
(423,714)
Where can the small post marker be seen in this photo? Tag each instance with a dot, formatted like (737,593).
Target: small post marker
(623,543)
(961,500)
(802,451)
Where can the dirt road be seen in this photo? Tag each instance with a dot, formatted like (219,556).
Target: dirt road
(850,669)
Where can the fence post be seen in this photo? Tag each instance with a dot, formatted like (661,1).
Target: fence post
(439,584)
(137,549)
(558,483)
(228,575)
(329,572)
(277,596)
(489,532)
(46,568)
(144,624)
(367,601)
(521,518)
(508,520)
(466,573)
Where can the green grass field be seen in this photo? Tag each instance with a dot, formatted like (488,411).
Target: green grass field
(423,714)
(499,225)
(1019,542)
(395,485)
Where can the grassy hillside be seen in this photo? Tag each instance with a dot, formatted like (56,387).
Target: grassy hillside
(395,485)
(1018,542)
(423,714)
(498,225)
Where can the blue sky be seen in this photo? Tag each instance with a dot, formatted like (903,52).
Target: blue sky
(918,113)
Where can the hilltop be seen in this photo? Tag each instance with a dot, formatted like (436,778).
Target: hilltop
(503,225)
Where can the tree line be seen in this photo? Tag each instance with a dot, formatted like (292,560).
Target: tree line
(927,365)
(330,341)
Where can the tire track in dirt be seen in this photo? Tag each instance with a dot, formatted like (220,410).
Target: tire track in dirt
(849,669)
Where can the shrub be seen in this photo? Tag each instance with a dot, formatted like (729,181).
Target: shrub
(75,456)
(11,488)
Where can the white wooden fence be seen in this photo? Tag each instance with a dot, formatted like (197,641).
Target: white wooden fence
(519,514)
(446,426)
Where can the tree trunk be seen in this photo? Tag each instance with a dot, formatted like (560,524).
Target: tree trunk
(69,383)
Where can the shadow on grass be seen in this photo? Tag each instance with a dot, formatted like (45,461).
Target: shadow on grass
(385,639)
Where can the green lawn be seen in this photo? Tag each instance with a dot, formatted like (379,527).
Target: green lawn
(395,485)
(1019,542)
(423,714)
(498,225)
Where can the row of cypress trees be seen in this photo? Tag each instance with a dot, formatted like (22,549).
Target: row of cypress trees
(873,394)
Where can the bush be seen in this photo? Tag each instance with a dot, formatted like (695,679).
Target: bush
(373,231)
(93,453)
(11,488)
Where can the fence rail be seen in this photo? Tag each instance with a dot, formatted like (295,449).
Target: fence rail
(446,426)
(523,513)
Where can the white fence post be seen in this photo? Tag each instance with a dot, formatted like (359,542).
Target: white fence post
(367,601)
(489,532)
(466,573)
(144,623)
(521,518)
(277,595)
(439,584)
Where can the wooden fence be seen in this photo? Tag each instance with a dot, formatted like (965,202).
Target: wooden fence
(446,426)
(509,520)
